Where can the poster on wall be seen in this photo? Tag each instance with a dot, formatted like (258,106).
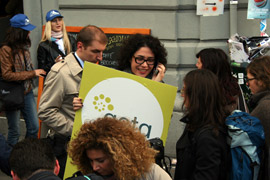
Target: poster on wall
(258,9)
(112,49)
(146,103)
(210,7)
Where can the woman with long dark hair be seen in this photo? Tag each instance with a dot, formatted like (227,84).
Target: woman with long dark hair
(202,151)
(216,60)
(16,65)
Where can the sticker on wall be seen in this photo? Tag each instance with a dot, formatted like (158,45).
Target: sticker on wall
(258,9)
(210,7)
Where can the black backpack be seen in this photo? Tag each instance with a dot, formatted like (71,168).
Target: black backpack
(157,144)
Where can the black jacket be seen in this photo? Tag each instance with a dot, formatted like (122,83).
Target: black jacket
(79,176)
(202,156)
(47,52)
(44,175)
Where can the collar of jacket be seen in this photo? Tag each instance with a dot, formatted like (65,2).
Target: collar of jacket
(185,119)
(255,98)
(73,64)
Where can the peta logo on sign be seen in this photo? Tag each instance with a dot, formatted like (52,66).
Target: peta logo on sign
(125,99)
(101,103)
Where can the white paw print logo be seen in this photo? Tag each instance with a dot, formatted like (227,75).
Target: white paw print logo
(53,13)
(27,22)
(101,103)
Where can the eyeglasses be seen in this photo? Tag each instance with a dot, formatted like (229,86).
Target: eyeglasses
(141,60)
(247,79)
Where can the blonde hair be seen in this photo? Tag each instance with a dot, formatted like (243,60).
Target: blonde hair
(48,33)
(127,148)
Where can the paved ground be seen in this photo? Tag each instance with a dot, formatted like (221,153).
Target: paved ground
(4,177)
(4,130)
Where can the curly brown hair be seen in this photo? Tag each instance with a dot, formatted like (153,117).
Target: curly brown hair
(259,68)
(127,148)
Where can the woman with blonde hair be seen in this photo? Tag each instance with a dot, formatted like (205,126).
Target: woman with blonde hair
(55,43)
(115,150)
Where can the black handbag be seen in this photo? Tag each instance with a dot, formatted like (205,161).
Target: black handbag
(11,95)
(160,159)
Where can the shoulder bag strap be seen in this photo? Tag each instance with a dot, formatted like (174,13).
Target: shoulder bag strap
(241,102)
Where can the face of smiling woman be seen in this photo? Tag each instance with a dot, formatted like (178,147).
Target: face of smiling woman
(143,69)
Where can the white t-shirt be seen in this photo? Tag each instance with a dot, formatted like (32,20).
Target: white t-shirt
(60,44)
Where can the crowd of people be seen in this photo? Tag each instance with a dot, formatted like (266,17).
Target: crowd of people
(109,148)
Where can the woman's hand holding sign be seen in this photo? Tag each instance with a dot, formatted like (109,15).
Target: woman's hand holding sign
(77,103)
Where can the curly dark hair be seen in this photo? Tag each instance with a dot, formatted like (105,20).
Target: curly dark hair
(127,148)
(216,60)
(134,43)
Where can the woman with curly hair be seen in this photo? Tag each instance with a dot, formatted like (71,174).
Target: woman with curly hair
(55,43)
(141,55)
(116,150)
(216,60)
(258,80)
(144,56)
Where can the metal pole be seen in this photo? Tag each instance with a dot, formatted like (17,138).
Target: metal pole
(233,17)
